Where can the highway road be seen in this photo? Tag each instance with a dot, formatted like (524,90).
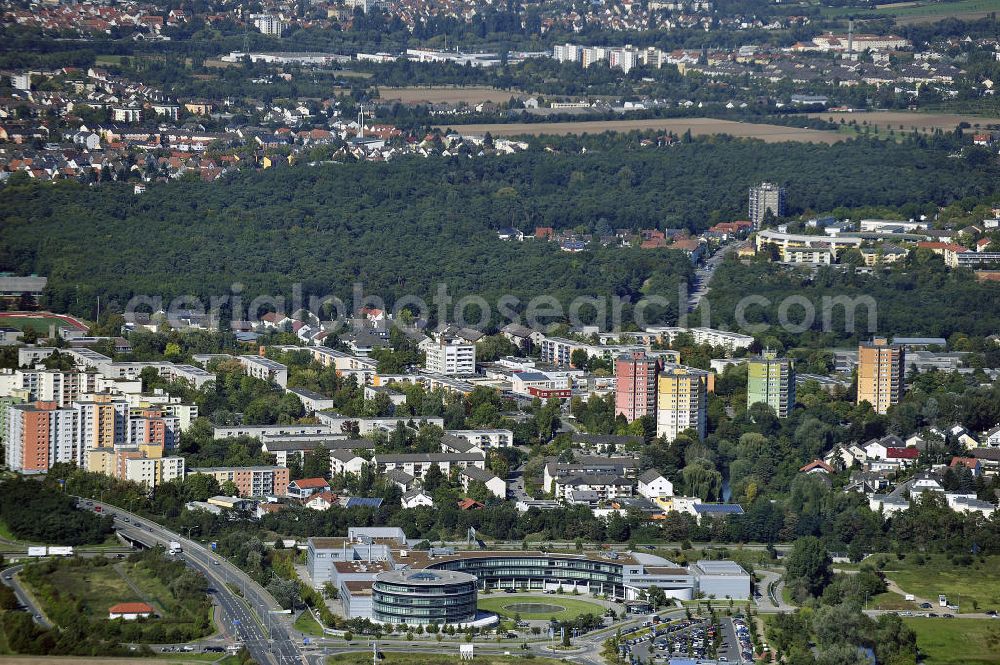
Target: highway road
(10,579)
(253,620)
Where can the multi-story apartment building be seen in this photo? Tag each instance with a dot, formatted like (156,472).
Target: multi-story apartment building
(450,356)
(766,196)
(154,427)
(265,369)
(61,387)
(417,464)
(881,372)
(724,338)
(269,24)
(17,396)
(251,480)
(682,401)
(103,421)
(40,434)
(152,472)
(771,380)
(635,385)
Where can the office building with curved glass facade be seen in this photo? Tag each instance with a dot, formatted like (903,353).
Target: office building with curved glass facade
(424,597)
(380,577)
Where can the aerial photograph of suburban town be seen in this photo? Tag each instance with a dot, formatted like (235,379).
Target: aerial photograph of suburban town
(500,332)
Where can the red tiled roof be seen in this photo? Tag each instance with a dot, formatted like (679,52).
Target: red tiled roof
(902,453)
(310,483)
(817,464)
(131,608)
(968,462)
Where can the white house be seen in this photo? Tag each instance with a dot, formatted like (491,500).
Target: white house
(992,438)
(130,611)
(321,501)
(415,498)
(346,461)
(653,485)
(497,486)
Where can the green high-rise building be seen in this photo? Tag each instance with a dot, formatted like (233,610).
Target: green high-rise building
(771,380)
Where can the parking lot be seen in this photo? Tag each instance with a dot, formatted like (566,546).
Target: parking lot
(725,642)
(693,638)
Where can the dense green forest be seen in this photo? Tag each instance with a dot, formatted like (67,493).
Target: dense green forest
(918,298)
(53,518)
(402,227)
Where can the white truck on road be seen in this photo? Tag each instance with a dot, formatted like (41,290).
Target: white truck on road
(175,547)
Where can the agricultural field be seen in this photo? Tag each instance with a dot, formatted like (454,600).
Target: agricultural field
(919,11)
(907,121)
(957,641)
(560,607)
(448,94)
(697,126)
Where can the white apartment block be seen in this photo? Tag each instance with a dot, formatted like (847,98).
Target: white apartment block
(723,338)
(417,464)
(258,431)
(155,471)
(265,369)
(485,438)
(450,356)
(50,385)
(268,24)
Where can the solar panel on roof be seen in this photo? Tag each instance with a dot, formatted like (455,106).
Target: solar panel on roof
(364,502)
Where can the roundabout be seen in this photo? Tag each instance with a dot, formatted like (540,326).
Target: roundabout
(540,607)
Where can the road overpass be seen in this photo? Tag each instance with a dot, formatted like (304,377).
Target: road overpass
(249,613)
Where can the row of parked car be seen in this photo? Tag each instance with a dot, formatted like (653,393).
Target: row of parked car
(743,638)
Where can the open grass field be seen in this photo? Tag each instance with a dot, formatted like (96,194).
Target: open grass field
(97,588)
(391,658)
(448,94)
(100,588)
(965,585)
(38,321)
(306,623)
(539,607)
(907,121)
(957,641)
(698,127)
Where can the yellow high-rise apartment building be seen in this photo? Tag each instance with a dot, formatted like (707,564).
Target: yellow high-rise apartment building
(682,401)
(881,368)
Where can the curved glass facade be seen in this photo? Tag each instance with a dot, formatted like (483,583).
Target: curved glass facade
(424,597)
(531,571)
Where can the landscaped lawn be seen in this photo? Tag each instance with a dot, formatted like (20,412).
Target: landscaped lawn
(391,658)
(979,582)
(957,641)
(305,623)
(561,607)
